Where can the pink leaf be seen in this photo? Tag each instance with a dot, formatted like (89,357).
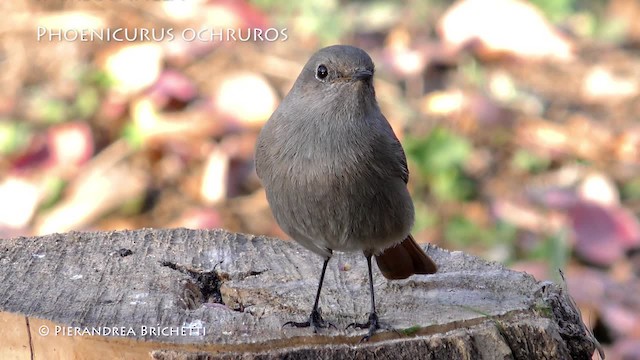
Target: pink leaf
(603,234)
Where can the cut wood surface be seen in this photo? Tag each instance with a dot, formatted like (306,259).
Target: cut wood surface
(198,294)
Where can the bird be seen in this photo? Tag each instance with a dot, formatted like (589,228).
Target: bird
(335,174)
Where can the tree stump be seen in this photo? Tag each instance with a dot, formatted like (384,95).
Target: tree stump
(211,294)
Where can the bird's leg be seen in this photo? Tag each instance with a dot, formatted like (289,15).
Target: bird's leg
(372,324)
(315,319)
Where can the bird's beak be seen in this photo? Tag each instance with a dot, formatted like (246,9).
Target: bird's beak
(362,74)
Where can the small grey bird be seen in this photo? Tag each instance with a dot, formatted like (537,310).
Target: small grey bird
(336,175)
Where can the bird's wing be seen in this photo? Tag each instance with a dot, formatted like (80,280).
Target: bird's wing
(398,157)
(403,163)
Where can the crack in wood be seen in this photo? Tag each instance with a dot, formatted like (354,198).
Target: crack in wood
(203,286)
(26,318)
(124,252)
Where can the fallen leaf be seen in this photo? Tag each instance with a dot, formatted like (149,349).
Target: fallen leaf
(199,218)
(498,27)
(70,145)
(245,97)
(600,84)
(603,234)
(134,68)
(173,89)
(20,197)
(600,189)
(215,177)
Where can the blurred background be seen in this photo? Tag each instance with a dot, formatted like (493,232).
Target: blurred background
(520,120)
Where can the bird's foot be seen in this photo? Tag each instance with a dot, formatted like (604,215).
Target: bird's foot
(315,320)
(373,324)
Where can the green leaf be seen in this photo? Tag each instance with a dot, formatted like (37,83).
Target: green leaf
(526,161)
(554,250)
(631,190)
(441,150)
(411,330)
(54,111)
(54,187)
(133,135)
(440,158)
(462,232)
(14,136)
(99,78)
(87,102)
(555,10)
(425,217)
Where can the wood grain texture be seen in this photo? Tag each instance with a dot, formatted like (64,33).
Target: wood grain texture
(198,294)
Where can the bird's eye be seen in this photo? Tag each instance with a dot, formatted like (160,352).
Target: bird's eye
(322,72)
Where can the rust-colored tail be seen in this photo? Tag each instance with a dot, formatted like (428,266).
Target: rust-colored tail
(404,260)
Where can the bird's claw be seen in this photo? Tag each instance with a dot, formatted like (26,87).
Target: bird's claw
(315,320)
(373,324)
